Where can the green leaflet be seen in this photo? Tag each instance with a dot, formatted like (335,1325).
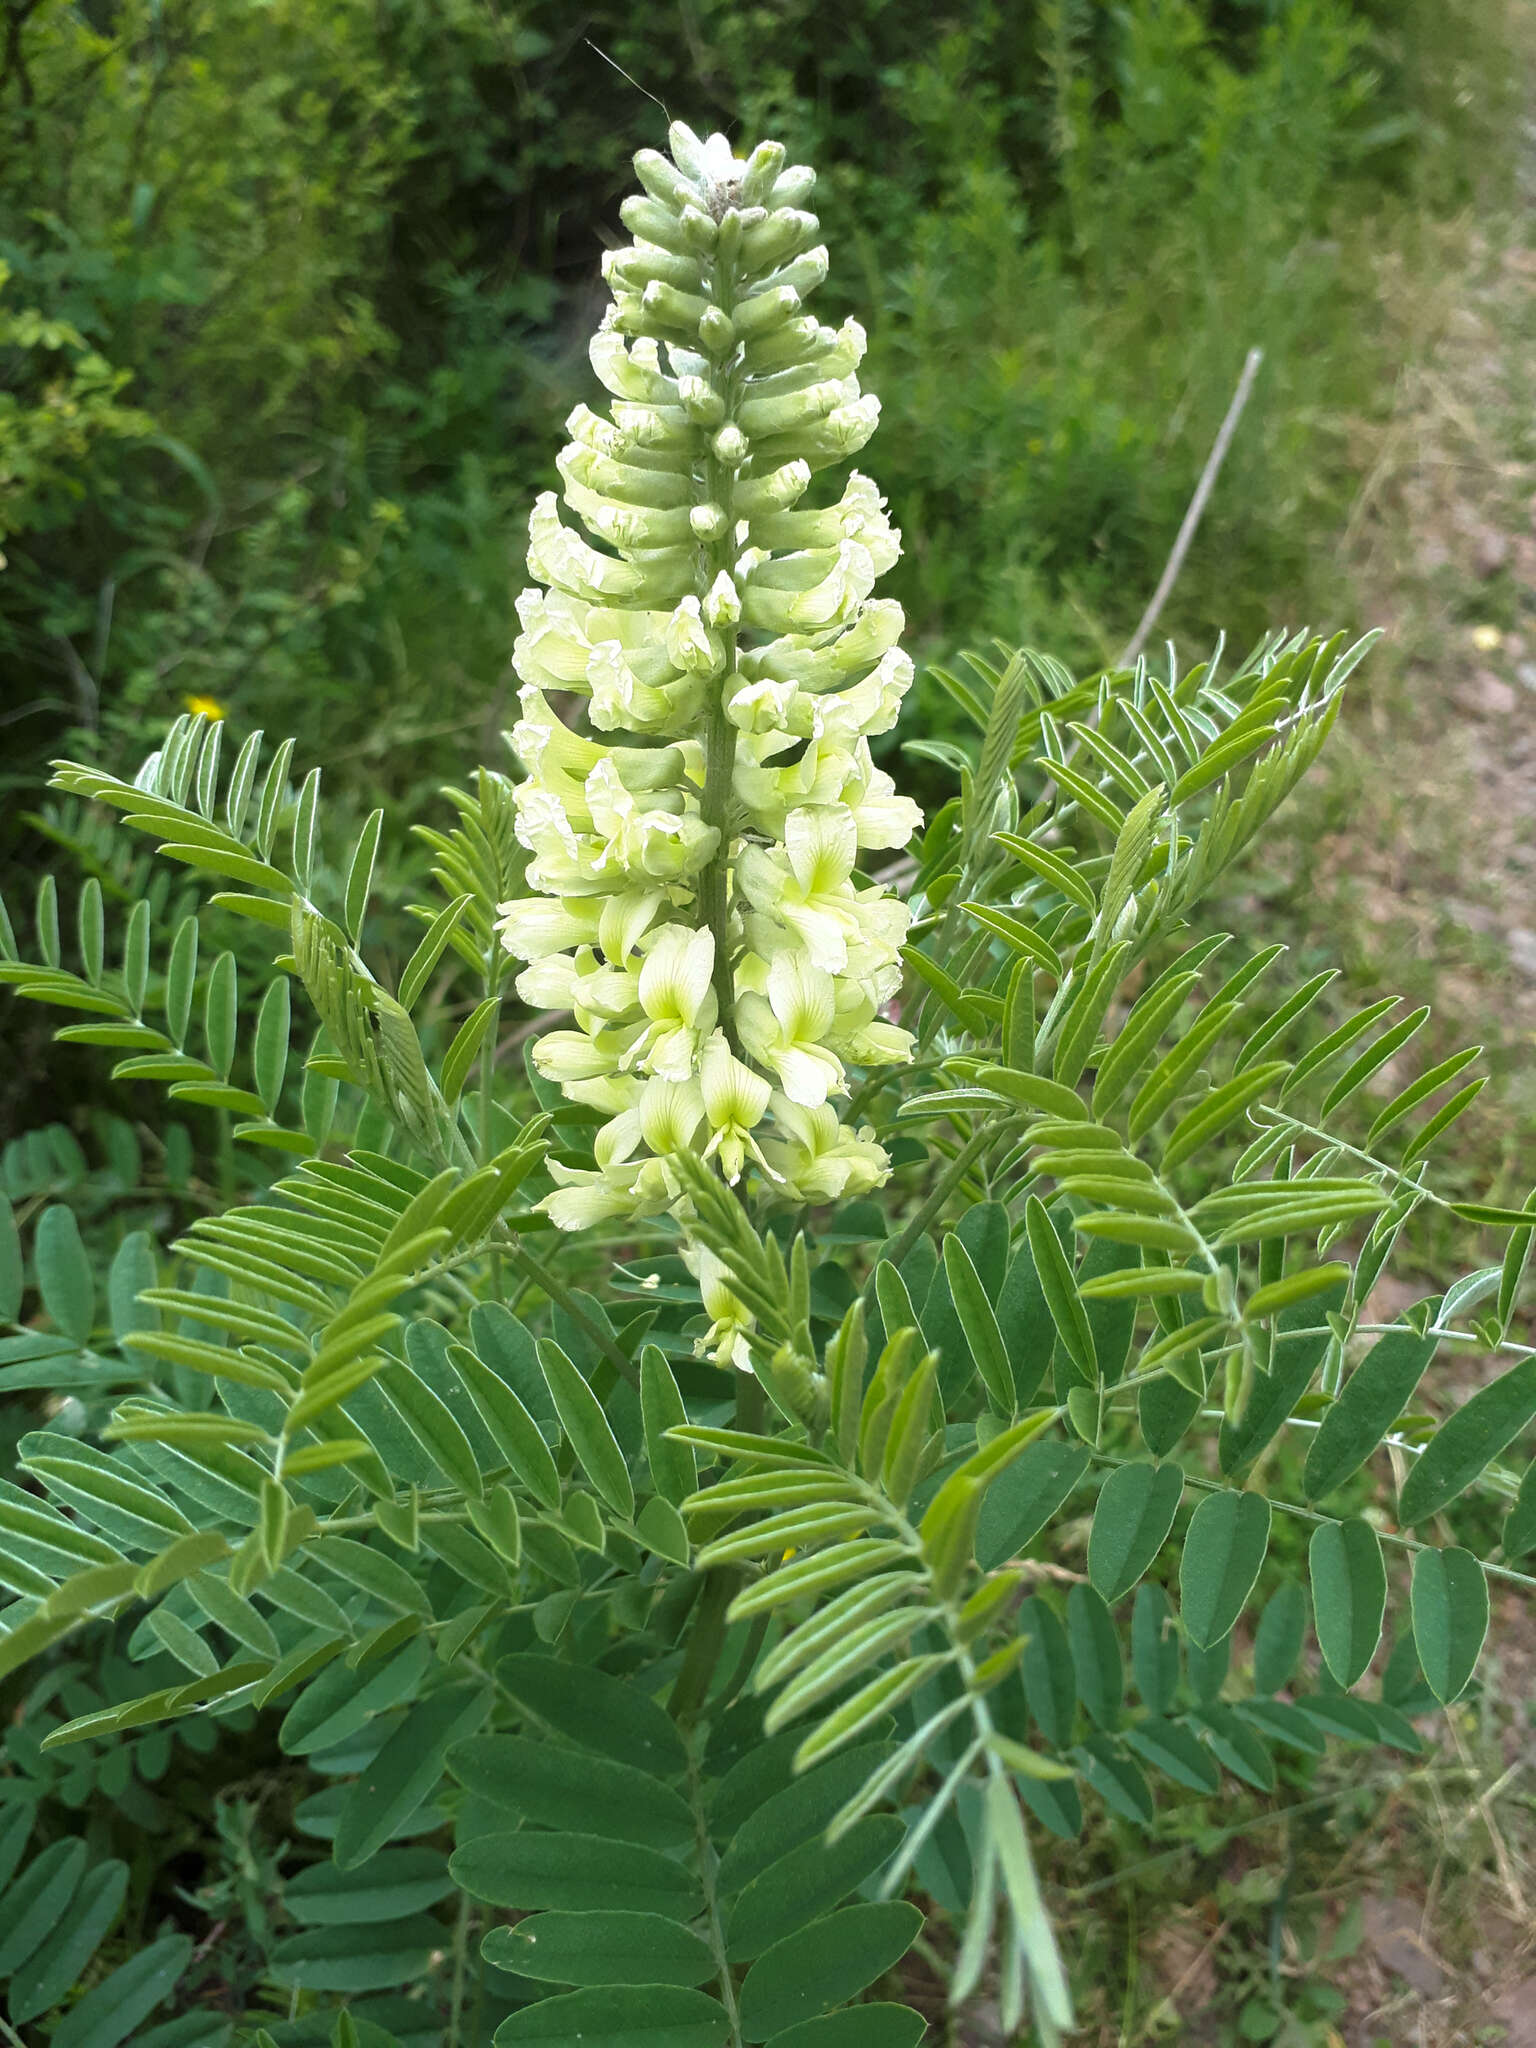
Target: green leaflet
(653,2016)
(1049,1674)
(1095,1648)
(589,1948)
(110,2011)
(808,1881)
(1058,1283)
(391,1885)
(405,1771)
(64,1277)
(1468,1441)
(591,1436)
(1224,1547)
(1154,1649)
(368,1957)
(673,1469)
(1349,1596)
(980,1324)
(1171,1748)
(1278,1640)
(1024,1498)
(1519,1535)
(530,1870)
(571,1789)
(599,1712)
(824,1966)
(1450,1619)
(1135,1512)
(1375,1394)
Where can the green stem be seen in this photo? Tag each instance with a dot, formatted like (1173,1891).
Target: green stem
(487,1127)
(707,1632)
(709,1864)
(947,1182)
(716,804)
(706,1639)
(557,1291)
(460,1961)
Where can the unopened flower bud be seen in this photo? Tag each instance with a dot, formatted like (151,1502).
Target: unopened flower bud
(654,222)
(701,401)
(780,236)
(699,231)
(731,446)
(765,311)
(793,187)
(764,166)
(716,331)
(728,241)
(664,305)
(708,521)
(664,181)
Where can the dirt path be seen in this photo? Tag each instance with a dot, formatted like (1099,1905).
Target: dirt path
(1420,846)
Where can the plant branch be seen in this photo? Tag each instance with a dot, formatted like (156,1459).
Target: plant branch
(1197,504)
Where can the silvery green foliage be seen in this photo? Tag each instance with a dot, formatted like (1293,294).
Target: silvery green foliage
(698,1672)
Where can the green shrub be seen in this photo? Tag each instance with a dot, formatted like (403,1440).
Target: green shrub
(666,1583)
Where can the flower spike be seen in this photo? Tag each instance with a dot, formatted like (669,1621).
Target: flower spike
(696,830)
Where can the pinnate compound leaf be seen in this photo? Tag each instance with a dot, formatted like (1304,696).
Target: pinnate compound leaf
(1467,1441)
(1375,1394)
(1450,1619)
(1223,1549)
(1131,1524)
(1349,1595)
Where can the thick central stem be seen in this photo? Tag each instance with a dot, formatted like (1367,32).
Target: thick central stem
(716,804)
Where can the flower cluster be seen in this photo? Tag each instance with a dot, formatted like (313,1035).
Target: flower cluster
(699,908)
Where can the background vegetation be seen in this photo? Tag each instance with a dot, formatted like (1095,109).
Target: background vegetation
(293,294)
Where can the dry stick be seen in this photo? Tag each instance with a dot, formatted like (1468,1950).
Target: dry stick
(1197,504)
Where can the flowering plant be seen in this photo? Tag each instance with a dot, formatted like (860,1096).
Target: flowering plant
(428,1442)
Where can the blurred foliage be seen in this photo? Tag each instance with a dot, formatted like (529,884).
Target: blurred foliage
(296,289)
